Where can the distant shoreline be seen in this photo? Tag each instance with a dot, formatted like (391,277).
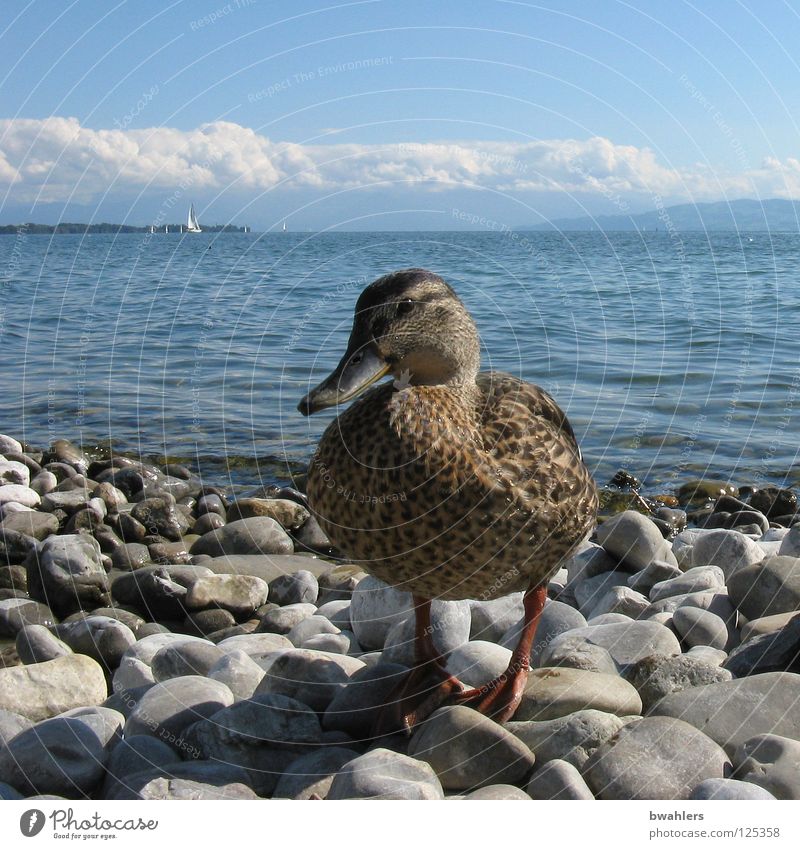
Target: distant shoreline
(113,229)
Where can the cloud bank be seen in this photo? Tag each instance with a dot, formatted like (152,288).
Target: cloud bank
(56,159)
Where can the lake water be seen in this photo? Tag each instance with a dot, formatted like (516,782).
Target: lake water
(674,356)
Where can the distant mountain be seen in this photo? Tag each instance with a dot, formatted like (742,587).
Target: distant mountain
(50,229)
(742,214)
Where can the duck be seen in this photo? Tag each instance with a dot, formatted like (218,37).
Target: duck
(445,481)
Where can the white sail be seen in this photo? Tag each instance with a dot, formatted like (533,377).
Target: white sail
(192,225)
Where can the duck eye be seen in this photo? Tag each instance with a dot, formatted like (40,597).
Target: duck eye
(405,306)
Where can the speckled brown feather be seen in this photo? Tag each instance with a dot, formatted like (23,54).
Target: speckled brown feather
(454,492)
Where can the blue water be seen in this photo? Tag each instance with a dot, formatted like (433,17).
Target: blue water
(674,356)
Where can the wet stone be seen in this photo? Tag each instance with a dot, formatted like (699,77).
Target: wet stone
(31,523)
(17,613)
(68,574)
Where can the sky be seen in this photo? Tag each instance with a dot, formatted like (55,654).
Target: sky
(392,114)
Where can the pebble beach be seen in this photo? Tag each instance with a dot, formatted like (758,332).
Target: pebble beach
(163,638)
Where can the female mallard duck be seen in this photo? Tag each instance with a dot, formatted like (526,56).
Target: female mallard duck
(448,483)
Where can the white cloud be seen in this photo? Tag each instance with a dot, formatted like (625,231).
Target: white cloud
(55,158)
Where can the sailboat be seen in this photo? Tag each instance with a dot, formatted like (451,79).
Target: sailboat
(283,229)
(192,226)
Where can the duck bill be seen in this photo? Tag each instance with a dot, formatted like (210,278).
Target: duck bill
(356,371)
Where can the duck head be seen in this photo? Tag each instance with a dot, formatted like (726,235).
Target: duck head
(409,324)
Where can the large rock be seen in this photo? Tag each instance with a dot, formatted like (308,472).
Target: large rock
(43,690)
(36,644)
(777,651)
(311,677)
(15,547)
(100,637)
(658,675)
(300,587)
(15,493)
(655,758)
(68,574)
(552,692)
(355,707)
(135,754)
(771,762)
(626,642)
(240,594)
(263,735)
(571,738)
(168,708)
(288,514)
(375,608)
(383,774)
(185,658)
(258,535)
(63,756)
(469,750)
(698,627)
(697,579)
(19,613)
(193,780)
(634,540)
(730,550)
(239,672)
(161,517)
(477,662)
(734,711)
(31,523)
(312,774)
(160,591)
(766,588)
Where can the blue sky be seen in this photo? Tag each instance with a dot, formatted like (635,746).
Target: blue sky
(386,114)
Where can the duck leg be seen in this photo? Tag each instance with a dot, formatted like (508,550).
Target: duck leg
(500,697)
(426,687)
